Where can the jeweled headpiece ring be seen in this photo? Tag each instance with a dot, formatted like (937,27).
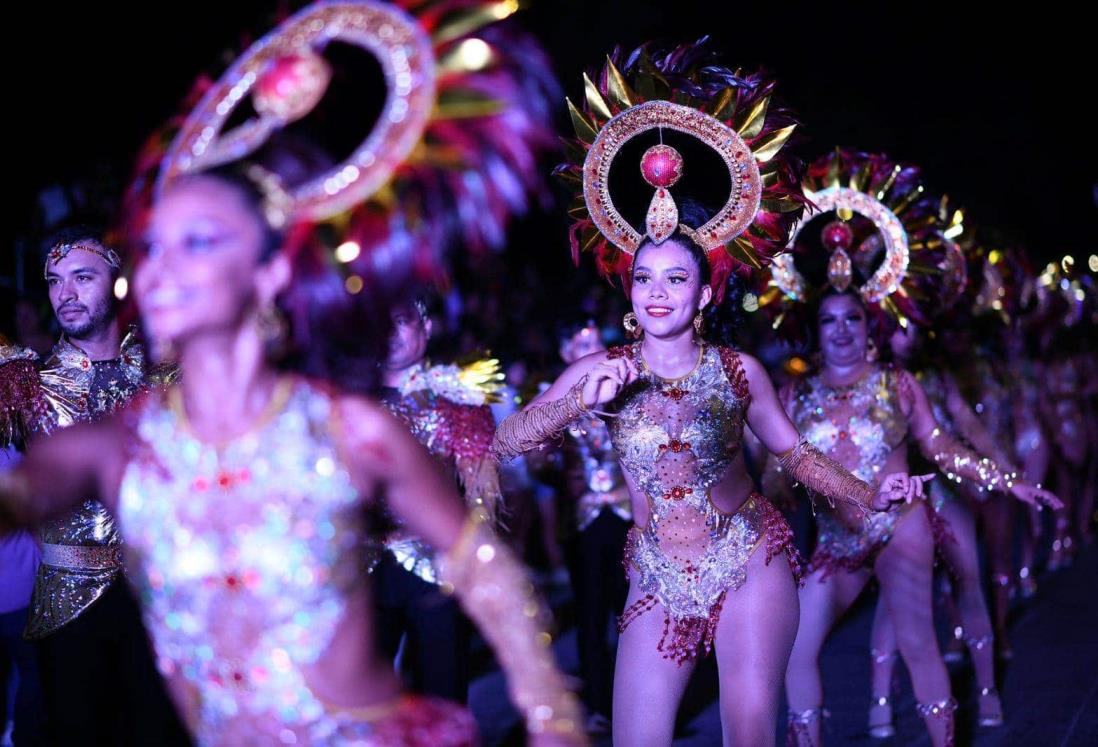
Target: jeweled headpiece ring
(887,229)
(732,114)
(450,158)
(287,77)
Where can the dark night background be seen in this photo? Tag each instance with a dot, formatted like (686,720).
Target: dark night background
(994,101)
(996,108)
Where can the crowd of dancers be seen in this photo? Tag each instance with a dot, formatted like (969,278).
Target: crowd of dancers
(240,505)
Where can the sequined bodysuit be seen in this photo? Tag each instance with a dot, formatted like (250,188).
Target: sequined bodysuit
(858,425)
(81,551)
(245,557)
(677,439)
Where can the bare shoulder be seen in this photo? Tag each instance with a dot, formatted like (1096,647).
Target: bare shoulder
(752,367)
(758,378)
(373,443)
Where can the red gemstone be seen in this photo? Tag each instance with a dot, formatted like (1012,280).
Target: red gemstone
(291,86)
(661,166)
(837,235)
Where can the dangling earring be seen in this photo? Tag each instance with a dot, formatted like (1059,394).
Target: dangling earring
(698,320)
(632,325)
(871,351)
(273,329)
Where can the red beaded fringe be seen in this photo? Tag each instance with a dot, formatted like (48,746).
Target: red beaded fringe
(692,637)
(779,539)
(22,404)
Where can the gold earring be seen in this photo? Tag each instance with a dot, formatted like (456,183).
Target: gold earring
(632,325)
(871,351)
(698,320)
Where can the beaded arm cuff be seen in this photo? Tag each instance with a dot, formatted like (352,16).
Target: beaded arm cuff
(495,593)
(820,473)
(537,424)
(961,463)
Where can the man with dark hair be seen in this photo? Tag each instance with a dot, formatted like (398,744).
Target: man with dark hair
(99,683)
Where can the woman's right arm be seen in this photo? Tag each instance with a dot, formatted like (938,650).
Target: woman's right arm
(591,381)
(60,472)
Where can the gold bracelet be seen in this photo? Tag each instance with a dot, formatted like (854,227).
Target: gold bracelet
(818,472)
(536,424)
(579,395)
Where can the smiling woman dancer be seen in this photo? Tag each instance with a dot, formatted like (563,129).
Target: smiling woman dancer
(242,491)
(699,557)
(862,414)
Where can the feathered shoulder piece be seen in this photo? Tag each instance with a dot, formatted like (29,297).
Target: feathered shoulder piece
(474,383)
(692,130)
(22,402)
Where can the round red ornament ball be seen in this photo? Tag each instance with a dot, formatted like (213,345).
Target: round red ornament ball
(661,166)
(837,235)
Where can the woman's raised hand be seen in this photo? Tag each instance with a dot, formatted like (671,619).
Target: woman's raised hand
(606,380)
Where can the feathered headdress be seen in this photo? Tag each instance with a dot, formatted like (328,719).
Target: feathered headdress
(683,94)
(450,157)
(873,227)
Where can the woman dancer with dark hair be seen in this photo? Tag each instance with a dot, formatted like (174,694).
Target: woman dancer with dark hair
(862,414)
(709,561)
(959,510)
(243,491)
